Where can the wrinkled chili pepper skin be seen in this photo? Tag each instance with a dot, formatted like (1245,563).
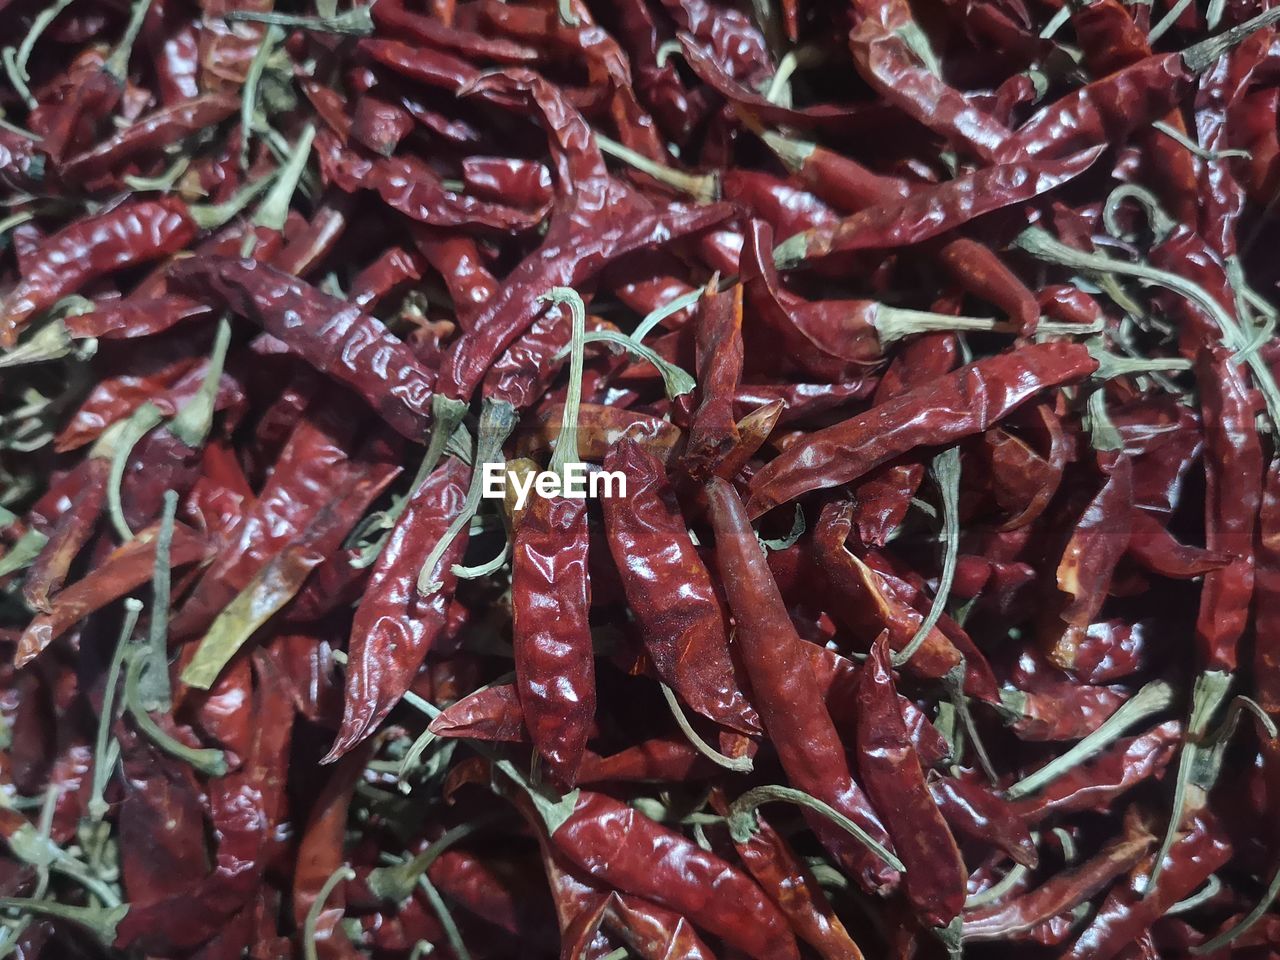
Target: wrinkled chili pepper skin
(1233,481)
(670,591)
(952,407)
(712,431)
(395,627)
(92,247)
(935,876)
(555,668)
(333,336)
(627,850)
(785,693)
(1266,662)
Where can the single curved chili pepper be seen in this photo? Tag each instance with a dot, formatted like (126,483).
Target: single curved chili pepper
(330,334)
(1097,542)
(421,64)
(1062,892)
(659,759)
(411,187)
(167,125)
(394,627)
(393,19)
(131,317)
(1233,492)
(976,811)
(491,713)
(1154,547)
(784,690)
(961,404)
(669,590)
(929,212)
(935,877)
(718,329)
(887,63)
(653,932)
(882,500)
(522,183)
(126,568)
(69,534)
(627,850)
(1200,851)
(982,274)
(93,247)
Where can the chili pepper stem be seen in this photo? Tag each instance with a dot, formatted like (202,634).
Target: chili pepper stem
(497,420)
(143,420)
(742,818)
(703,187)
(395,884)
(50,342)
(153,685)
(1151,699)
(209,761)
(356,22)
(954,683)
(566,451)
(118,63)
(99,921)
(1216,943)
(1210,691)
(946,473)
(1201,56)
(676,381)
(97,805)
(192,423)
(343,873)
(736,764)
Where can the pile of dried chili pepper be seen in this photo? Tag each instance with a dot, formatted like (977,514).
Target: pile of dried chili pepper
(649,479)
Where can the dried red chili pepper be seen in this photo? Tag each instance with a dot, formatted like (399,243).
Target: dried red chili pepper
(670,591)
(965,402)
(784,690)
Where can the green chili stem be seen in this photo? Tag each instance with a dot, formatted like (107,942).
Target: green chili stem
(704,187)
(490,566)
(1056,22)
(1241,926)
(1194,148)
(676,382)
(1167,21)
(946,474)
(38,26)
(567,15)
(894,323)
(153,684)
(1151,699)
(50,342)
(1210,690)
(954,681)
(1102,432)
(566,451)
(1161,223)
(249,92)
(97,806)
(497,420)
(99,921)
(1040,244)
(209,761)
(742,818)
(791,539)
(212,216)
(997,889)
(736,764)
(160,183)
(657,315)
(344,872)
(191,424)
(356,22)
(23,553)
(1201,56)
(451,931)
(395,883)
(274,209)
(1205,893)
(118,63)
(143,420)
